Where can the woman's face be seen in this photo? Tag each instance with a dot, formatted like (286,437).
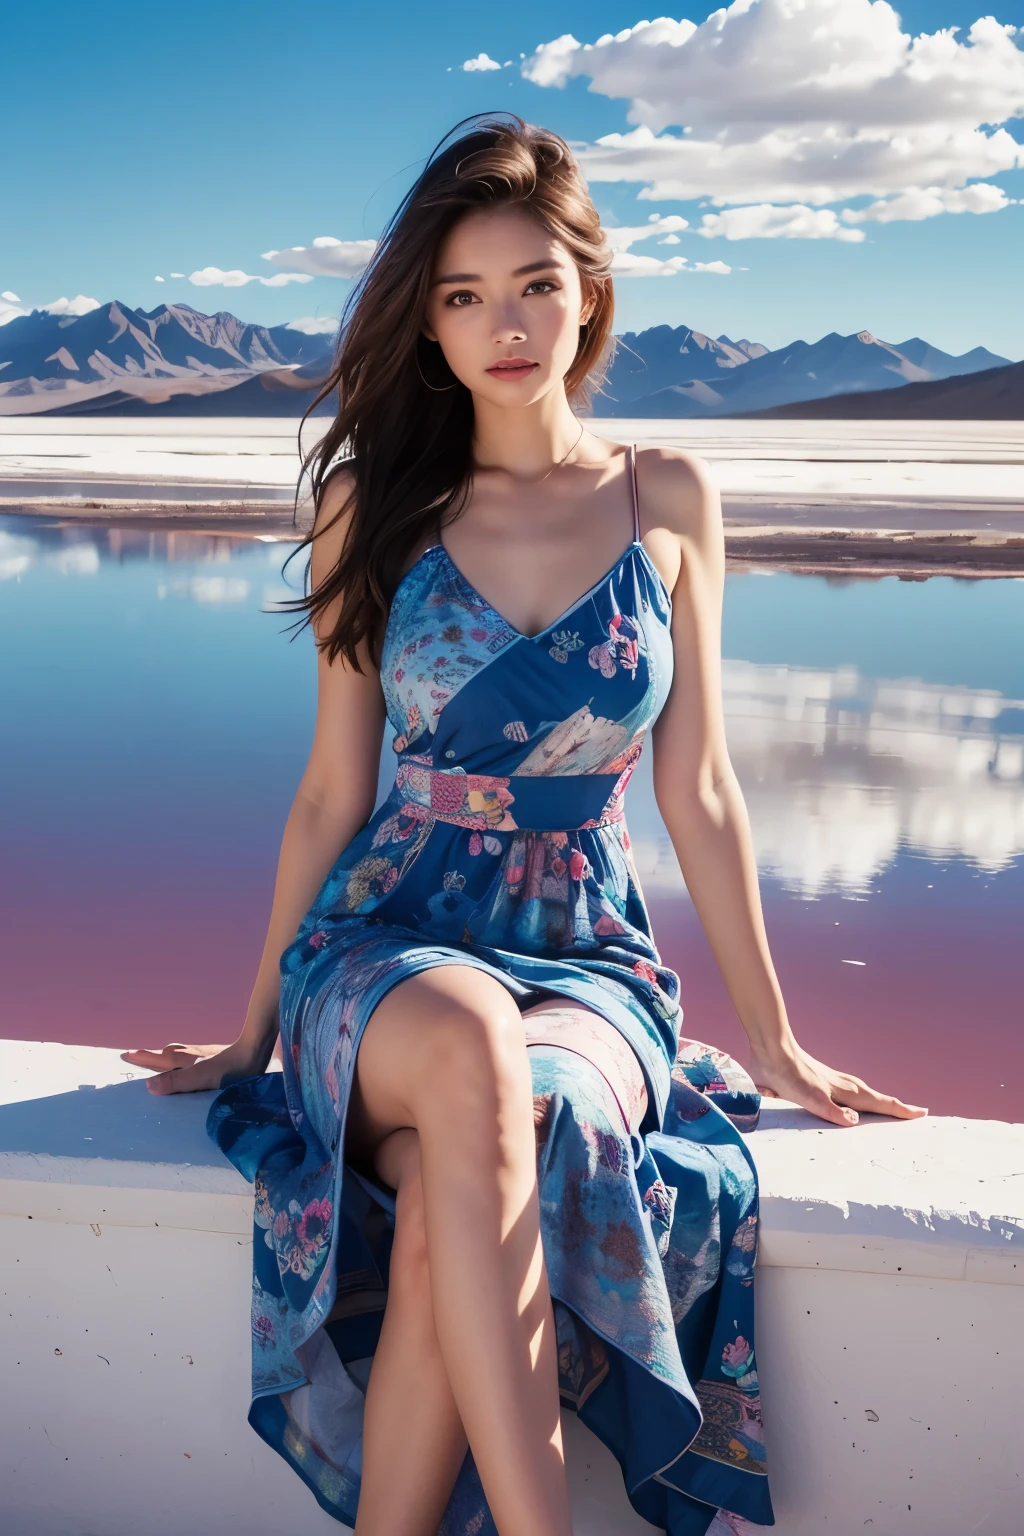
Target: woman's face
(506,305)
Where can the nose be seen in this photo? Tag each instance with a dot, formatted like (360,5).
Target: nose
(510,328)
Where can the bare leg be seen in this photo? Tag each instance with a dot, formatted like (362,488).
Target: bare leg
(413,1440)
(445,1054)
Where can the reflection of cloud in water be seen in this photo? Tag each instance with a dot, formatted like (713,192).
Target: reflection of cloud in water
(840,771)
(19,553)
(75,560)
(16,555)
(207,589)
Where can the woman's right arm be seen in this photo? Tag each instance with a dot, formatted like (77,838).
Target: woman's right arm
(334,800)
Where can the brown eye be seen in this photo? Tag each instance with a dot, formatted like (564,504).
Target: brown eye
(543,283)
(454,300)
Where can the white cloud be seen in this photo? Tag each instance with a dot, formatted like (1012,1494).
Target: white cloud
(314,325)
(629,263)
(158,279)
(766,221)
(480,62)
(632,264)
(12,308)
(177,274)
(620,239)
(214,277)
(926,202)
(801,102)
(79,305)
(326,257)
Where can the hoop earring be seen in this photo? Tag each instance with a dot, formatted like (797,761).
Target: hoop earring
(438,389)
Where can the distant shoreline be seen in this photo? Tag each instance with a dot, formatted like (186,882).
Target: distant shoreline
(864,498)
(830,549)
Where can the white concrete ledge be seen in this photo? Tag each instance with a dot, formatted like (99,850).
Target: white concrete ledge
(890,1319)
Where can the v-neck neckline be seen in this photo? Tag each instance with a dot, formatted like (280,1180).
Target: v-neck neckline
(632,546)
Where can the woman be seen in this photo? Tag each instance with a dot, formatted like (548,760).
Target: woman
(490,1170)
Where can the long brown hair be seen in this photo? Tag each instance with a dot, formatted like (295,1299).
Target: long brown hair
(404,421)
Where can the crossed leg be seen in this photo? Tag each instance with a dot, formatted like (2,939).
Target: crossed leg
(413,1439)
(443,1106)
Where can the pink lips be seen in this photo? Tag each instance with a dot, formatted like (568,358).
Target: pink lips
(512,368)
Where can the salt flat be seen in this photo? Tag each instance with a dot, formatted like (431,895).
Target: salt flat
(962,464)
(811,495)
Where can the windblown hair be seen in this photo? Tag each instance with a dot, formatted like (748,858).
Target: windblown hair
(404,421)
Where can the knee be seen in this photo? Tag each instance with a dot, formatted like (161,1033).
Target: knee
(477,1057)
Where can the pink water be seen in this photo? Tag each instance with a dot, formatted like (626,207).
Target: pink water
(156,723)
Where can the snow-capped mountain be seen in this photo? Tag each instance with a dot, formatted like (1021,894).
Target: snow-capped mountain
(43,353)
(174,359)
(666,373)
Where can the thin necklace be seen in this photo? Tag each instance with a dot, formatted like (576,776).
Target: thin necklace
(541,478)
(561,461)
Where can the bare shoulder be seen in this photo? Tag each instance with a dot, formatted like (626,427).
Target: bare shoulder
(680,511)
(677,490)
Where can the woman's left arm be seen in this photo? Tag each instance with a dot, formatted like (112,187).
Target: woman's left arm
(701,802)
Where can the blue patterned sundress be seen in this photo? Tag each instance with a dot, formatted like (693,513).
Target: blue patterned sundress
(502,845)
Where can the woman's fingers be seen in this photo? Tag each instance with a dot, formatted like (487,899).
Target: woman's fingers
(870,1101)
(854,1091)
(824,1105)
(188,1079)
(171,1056)
(814,1097)
(155,1061)
(164,1082)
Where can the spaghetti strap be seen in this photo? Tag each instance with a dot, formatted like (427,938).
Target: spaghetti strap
(636,502)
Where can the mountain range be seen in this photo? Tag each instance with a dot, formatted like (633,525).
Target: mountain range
(994,394)
(174,360)
(52,360)
(680,373)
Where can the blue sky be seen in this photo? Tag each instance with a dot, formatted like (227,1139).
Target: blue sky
(158,139)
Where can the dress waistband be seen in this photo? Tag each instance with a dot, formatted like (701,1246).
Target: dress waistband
(518,803)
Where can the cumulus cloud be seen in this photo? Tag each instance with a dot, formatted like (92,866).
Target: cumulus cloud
(926,202)
(480,62)
(326,257)
(79,305)
(809,103)
(215,277)
(630,263)
(620,239)
(314,325)
(767,221)
(633,264)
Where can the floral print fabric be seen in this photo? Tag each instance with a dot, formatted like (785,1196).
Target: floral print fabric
(502,845)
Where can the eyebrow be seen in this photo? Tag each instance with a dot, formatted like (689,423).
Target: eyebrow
(547,265)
